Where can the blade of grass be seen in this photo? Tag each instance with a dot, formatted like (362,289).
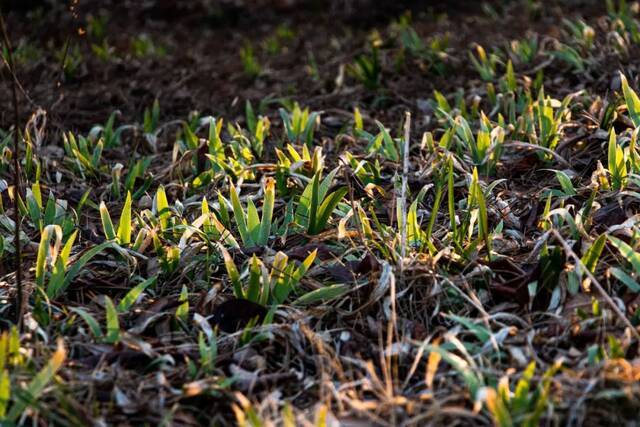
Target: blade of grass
(107,224)
(90,321)
(267,212)
(113,324)
(132,296)
(124,226)
(239,215)
(38,384)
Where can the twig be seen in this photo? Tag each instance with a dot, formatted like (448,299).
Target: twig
(21,89)
(392,331)
(403,195)
(17,174)
(597,285)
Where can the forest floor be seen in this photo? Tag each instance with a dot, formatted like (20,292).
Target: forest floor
(321,213)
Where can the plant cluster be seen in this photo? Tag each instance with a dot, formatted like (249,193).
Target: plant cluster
(480,261)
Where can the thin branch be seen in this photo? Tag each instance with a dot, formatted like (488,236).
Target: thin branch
(17,176)
(403,195)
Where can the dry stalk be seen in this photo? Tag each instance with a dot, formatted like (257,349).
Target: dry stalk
(402,205)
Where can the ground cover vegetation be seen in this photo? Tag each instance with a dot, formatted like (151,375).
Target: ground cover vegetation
(315,213)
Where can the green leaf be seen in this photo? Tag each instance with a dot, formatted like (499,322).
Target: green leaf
(323,294)
(66,250)
(627,280)
(113,324)
(251,117)
(326,209)
(498,409)
(5,392)
(50,210)
(182,312)
(267,212)
(304,267)
(592,255)
(521,396)
(617,162)
(313,205)
(208,351)
(551,263)
(303,211)
(414,233)
(232,271)
(451,198)
(627,252)
(253,222)
(565,183)
(162,208)
(511,77)
(124,226)
(90,321)
(434,210)
(239,216)
(477,196)
(37,385)
(358,123)
(473,381)
(134,293)
(482,333)
(224,212)
(390,146)
(254,291)
(45,248)
(107,224)
(37,195)
(57,274)
(97,153)
(34,211)
(310,127)
(326,183)
(632,101)
(286,121)
(54,291)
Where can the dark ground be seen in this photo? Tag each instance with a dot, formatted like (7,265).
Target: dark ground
(202,69)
